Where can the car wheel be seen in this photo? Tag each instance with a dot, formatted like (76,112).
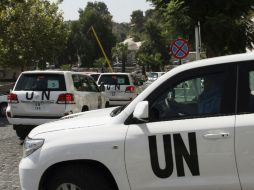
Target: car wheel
(3,108)
(76,177)
(85,108)
(22,131)
(107,105)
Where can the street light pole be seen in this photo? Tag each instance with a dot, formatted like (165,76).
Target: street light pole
(198,41)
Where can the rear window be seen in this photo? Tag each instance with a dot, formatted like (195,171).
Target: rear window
(114,79)
(153,75)
(41,82)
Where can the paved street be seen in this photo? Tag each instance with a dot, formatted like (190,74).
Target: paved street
(10,155)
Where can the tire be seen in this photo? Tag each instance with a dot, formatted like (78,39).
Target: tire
(22,131)
(76,177)
(3,107)
(85,108)
(107,105)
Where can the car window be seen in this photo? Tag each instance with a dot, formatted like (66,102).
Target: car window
(153,75)
(192,97)
(81,83)
(246,89)
(114,79)
(93,86)
(41,82)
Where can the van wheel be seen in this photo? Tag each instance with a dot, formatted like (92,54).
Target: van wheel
(85,108)
(3,108)
(22,131)
(107,105)
(76,177)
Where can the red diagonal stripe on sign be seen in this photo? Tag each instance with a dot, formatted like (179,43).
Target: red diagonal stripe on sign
(180,48)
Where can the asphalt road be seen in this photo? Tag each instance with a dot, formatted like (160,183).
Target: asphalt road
(10,156)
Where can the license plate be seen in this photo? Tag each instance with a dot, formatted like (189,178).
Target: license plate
(37,106)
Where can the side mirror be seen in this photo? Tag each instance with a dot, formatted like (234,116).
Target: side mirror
(141,111)
(102,87)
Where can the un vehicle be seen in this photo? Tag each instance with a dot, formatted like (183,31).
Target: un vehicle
(191,129)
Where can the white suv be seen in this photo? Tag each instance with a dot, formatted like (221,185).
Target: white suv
(42,96)
(119,87)
(190,129)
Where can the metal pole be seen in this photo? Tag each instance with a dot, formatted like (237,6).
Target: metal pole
(103,52)
(197,42)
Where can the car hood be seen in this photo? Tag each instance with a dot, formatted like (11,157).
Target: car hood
(74,121)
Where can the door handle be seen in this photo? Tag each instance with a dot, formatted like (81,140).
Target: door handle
(216,135)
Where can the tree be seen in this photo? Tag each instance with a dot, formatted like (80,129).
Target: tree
(137,24)
(96,15)
(226,26)
(32,32)
(153,52)
(120,52)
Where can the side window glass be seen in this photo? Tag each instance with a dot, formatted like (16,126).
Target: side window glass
(93,85)
(251,92)
(84,84)
(194,97)
(76,82)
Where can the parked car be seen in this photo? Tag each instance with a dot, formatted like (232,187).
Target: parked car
(3,104)
(42,96)
(119,88)
(152,76)
(190,129)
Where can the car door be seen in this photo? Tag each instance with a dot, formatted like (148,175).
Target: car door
(186,143)
(97,98)
(245,126)
(86,97)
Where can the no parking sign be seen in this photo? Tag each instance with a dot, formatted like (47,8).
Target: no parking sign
(179,48)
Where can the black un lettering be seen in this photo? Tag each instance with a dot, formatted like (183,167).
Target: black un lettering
(181,154)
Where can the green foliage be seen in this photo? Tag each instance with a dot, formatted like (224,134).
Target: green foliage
(101,62)
(226,26)
(154,50)
(137,24)
(32,32)
(119,54)
(83,42)
(65,67)
(121,31)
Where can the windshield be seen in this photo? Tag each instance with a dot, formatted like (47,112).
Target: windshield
(118,110)
(153,75)
(114,79)
(41,82)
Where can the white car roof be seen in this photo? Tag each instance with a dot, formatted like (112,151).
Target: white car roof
(115,74)
(47,71)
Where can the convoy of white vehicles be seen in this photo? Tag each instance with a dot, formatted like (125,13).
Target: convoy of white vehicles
(42,96)
(191,129)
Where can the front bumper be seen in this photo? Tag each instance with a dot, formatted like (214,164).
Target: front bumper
(30,172)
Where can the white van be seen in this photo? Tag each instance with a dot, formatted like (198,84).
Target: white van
(119,88)
(42,96)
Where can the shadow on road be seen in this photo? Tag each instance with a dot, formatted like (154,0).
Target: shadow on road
(3,122)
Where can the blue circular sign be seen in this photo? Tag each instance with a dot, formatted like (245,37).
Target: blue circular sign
(180,48)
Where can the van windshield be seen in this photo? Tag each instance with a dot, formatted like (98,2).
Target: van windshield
(41,82)
(114,79)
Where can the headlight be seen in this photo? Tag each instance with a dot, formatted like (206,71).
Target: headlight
(31,145)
